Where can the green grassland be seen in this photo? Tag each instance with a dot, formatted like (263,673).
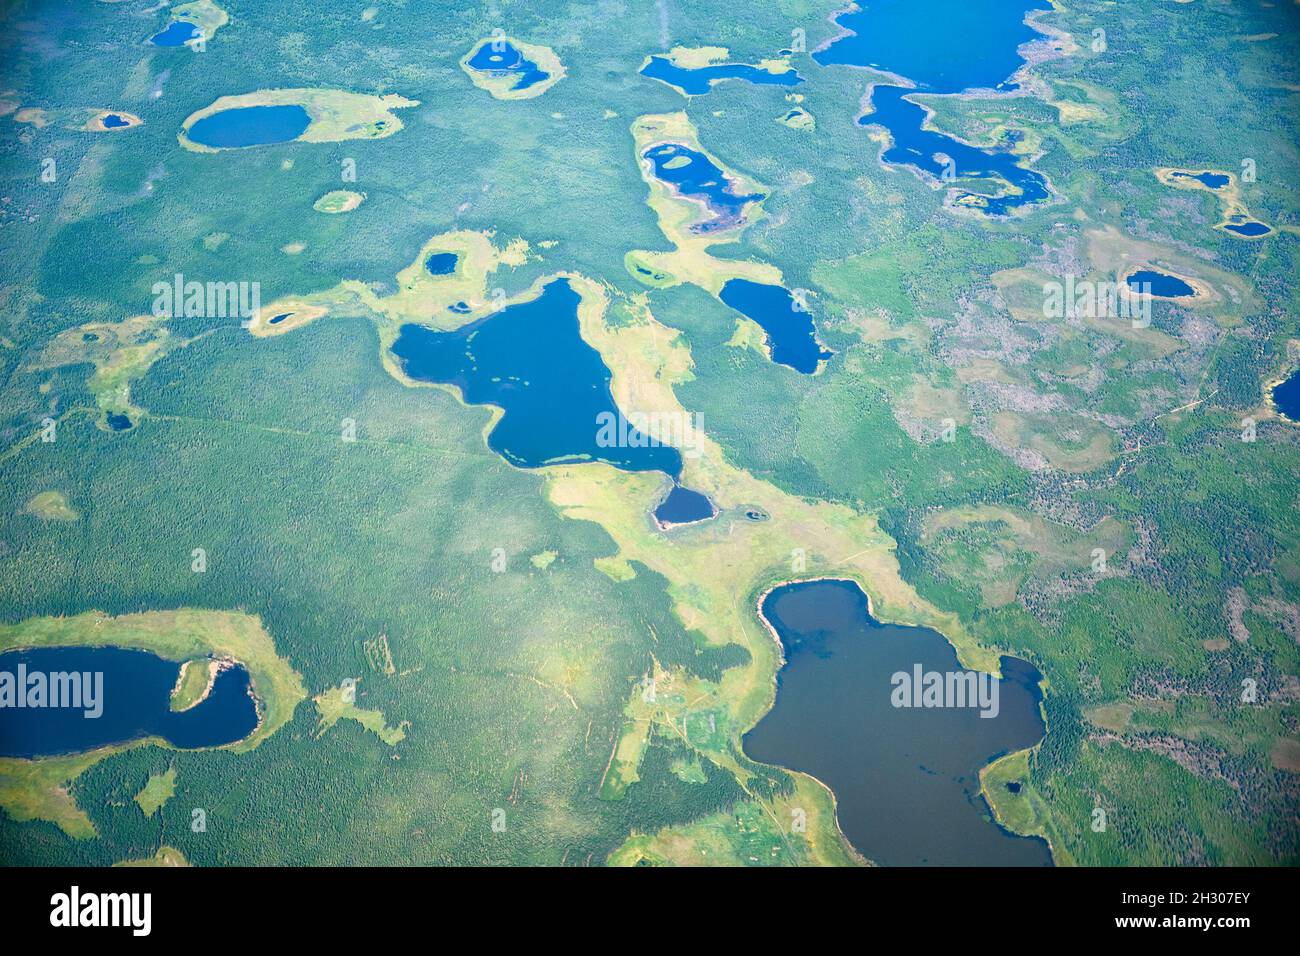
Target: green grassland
(521,690)
(160,788)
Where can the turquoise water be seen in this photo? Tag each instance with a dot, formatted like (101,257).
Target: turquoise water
(943,46)
(176,33)
(698,81)
(501,57)
(136,702)
(791,335)
(251,126)
(700,178)
(531,361)
(1158,284)
(905,779)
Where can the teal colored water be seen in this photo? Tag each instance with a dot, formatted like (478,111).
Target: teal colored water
(791,335)
(531,361)
(251,126)
(134,698)
(905,779)
(943,46)
(501,57)
(1159,284)
(695,176)
(700,80)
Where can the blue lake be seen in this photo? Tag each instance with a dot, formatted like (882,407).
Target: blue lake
(790,332)
(501,58)
(177,33)
(135,700)
(113,121)
(915,146)
(684,506)
(906,779)
(441,263)
(1287,397)
(251,126)
(693,175)
(944,46)
(1211,180)
(1158,284)
(531,361)
(1249,229)
(700,80)
(117,422)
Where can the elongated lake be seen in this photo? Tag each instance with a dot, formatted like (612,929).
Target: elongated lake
(906,778)
(250,126)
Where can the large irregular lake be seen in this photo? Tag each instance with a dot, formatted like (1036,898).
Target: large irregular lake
(942,46)
(531,361)
(136,703)
(906,779)
(250,126)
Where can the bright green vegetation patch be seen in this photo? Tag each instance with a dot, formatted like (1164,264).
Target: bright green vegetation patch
(336,115)
(543,559)
(158,790)
(51,506)
(791,829)
(339,200)
(41,790)
(194,682)
(120,353)
(204,14)
(339,703)
(166,856)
